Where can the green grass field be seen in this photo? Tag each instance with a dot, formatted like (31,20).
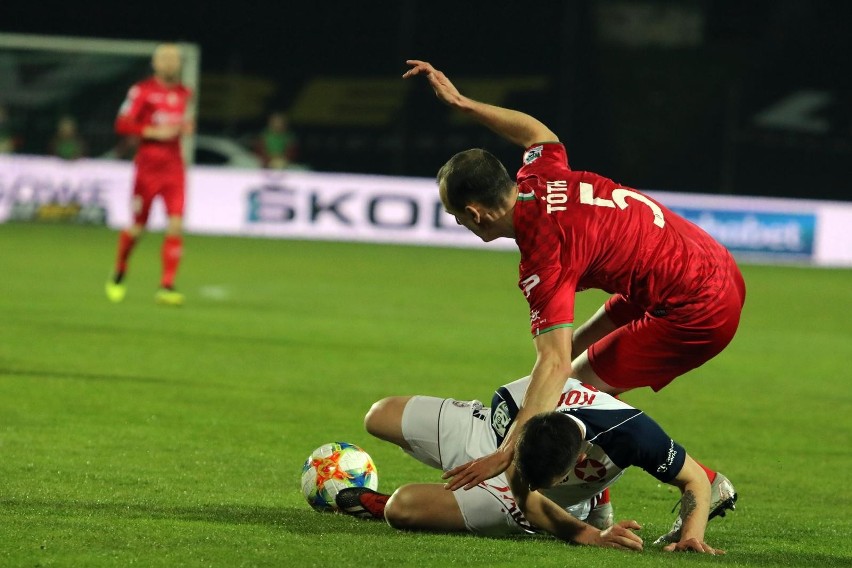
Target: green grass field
(138,434)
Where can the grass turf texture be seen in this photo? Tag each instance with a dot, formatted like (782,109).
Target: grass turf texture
(141,434)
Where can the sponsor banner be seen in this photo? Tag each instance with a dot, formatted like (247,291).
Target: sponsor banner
(351,207)
(383,209)
(757,233)
(47,189)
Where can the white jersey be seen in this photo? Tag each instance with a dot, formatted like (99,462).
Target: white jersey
(617,436)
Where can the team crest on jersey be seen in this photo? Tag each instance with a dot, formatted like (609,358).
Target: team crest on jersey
(590,470)
(172,99)
(501,418)
(532,155)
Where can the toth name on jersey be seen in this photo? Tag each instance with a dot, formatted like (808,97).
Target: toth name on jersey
(617,436)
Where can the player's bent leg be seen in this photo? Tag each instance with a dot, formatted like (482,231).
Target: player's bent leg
(595,328)
(384,420)
(424,506)
(582,370)
(618,311)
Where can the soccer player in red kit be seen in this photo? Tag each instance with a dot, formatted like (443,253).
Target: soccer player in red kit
(678,294)
(155,111)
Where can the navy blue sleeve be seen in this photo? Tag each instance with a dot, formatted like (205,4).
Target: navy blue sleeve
(656,452)
(631,438)
(503,413)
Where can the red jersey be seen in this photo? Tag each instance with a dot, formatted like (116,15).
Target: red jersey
(579,230)
(151,103)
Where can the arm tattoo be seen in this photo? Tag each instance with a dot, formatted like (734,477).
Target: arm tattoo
(688,504)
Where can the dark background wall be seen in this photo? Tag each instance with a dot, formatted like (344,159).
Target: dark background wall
(717,96)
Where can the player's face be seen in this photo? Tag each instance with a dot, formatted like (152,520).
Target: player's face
(560,478)
(467,219)
(166,62)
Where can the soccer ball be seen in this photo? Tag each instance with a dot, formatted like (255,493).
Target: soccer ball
(333,467)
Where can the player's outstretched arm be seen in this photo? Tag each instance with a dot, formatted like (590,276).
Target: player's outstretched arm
(515,126)
(552,368)
(546,515)
(694,509)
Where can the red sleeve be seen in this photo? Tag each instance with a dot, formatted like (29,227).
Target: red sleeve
(129,120)
(547,282)
(547,160)
(548,286)
(551,300)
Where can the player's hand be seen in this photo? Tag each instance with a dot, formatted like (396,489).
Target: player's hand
(692,545)
(475,472)
(620,535)
(187,128)
(444,89)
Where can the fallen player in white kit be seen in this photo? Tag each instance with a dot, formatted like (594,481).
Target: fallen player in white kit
(564,462)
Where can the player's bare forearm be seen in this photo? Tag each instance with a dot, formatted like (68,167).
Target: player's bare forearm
(161,131)
(552,368)
(546,383)
(695,500)
(546,515)
(515,126)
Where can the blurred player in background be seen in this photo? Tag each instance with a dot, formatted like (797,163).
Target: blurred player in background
(155,112)
(678,294)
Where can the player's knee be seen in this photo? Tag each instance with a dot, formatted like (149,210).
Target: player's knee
(401,509)
(379,417)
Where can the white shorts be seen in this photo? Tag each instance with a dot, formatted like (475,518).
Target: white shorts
(445,433)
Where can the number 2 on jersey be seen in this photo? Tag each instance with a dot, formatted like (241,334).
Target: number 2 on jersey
(619,197)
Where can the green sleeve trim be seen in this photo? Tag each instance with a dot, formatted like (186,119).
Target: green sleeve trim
(551,328)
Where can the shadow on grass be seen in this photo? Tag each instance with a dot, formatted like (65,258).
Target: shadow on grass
(306,522)
(86,376)
(208,334)
(296,520)
(786,558)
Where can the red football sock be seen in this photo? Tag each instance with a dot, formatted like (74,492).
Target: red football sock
(601,498)
(172,250)
(125,247)
(375,503)
(711,475)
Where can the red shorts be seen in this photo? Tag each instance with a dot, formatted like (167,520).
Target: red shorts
(169,185)
(651,351)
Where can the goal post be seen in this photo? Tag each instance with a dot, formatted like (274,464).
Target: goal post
(42,76)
